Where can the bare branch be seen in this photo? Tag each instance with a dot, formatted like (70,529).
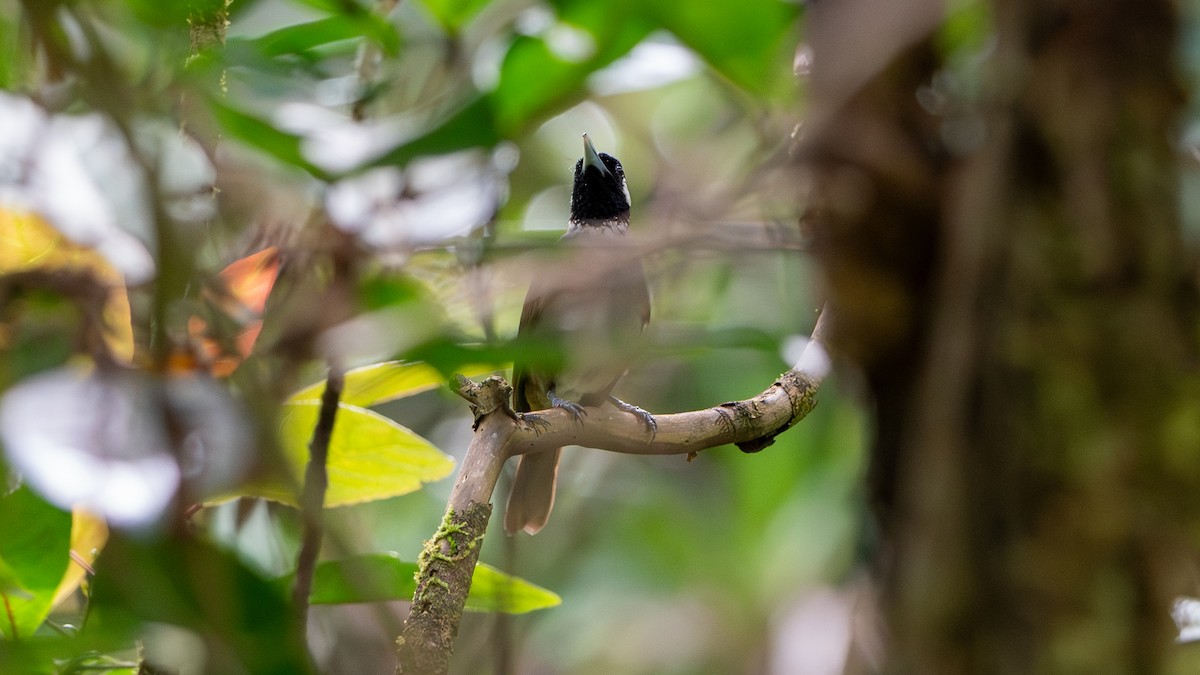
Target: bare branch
(448,559)
(754,420)
(750,424)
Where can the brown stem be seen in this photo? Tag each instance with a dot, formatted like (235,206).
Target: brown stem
(448,559)
(312,501)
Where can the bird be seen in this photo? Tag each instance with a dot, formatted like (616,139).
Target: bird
(595,303)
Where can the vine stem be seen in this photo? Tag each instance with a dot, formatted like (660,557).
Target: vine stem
(312,500)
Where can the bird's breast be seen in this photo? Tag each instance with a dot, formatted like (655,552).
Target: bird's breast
(594,309)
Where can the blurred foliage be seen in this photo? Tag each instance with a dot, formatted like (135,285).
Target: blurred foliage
(382,576)
(370,456)
(34,558)
(379,383)
(446,105)
(28,243)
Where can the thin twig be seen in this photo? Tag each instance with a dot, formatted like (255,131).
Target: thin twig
(312,501)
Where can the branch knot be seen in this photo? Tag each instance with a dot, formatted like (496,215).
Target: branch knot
(486,397)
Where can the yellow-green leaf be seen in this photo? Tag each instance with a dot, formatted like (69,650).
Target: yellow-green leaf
(384,576)
(89,532)
(387,381)
(495,591)
(370,456)
(28,242)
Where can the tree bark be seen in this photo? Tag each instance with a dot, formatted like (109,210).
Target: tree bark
(1036,393)
(448,560)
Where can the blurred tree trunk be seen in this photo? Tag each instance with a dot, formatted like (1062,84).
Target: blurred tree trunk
(1025,315)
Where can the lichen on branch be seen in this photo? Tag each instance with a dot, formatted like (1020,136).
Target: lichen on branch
(447,562)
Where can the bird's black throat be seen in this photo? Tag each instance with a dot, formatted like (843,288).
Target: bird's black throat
(599,196)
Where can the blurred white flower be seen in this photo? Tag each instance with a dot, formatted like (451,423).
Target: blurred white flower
(485,68)
(23,123)
(431,199)
(534,21)
(569,43)
(353,203)
(655,62)
(68,168)
(90,440)
(101,440)
(1186,613)
(185,174)
(428,200)
(337,143)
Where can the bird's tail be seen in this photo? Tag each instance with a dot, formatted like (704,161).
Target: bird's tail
(532,494)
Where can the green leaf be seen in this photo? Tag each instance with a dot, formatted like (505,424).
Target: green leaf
(34,547)
(534,80)
(237,8)
(262,135)
(453,14)
(472,126)
(744,41)
(10,584)
(370,456)
(965,28)
(450,355)
(188,582)
(346,7)
(383,576)
(14,63)
(305,36)
(387,381)
(164,15)
(300,38)
(378,291)
(495,591)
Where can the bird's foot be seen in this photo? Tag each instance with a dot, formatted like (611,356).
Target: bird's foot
(535,422)
(646,418)
(572,407)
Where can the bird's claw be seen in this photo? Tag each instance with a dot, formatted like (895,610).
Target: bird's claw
(577,411)
(647,419)
(572,407)
(535,422)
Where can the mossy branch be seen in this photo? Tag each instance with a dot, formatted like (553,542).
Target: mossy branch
(448,559)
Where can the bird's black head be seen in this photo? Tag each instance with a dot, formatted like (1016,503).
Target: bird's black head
(599,196)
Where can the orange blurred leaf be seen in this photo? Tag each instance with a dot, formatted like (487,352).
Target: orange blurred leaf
(250,279)
(246,285)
